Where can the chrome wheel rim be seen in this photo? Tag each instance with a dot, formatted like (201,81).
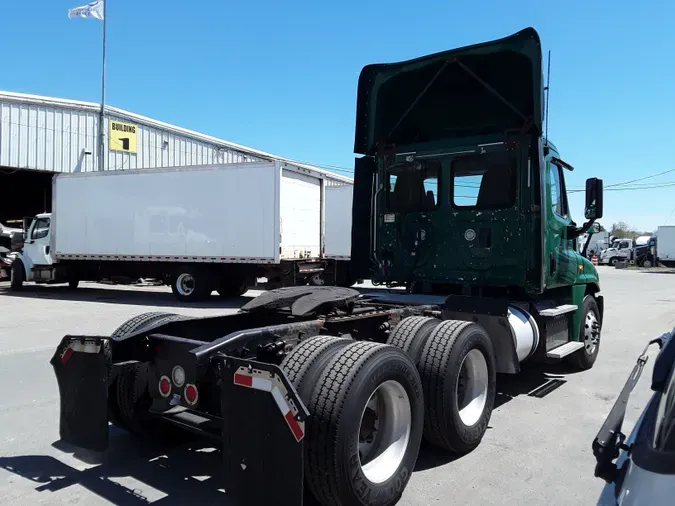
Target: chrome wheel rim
(384,431)
(317,280)
(472,387)
(591,332)
(185,284)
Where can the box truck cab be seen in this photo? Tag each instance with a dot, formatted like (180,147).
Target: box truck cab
(35,262)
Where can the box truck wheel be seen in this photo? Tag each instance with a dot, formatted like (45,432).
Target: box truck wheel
(589,333)
(458,374)
(189,284)
(17,275)
(411,335)
(365,427)
(233,286)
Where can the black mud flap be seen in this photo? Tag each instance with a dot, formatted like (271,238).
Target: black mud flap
(82,366)
(263,434)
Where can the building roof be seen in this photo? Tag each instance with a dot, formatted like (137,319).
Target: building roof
(96,107)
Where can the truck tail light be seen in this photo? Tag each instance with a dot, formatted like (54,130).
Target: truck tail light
(164,386)
(191,394)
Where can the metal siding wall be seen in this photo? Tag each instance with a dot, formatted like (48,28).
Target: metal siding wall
(51,137)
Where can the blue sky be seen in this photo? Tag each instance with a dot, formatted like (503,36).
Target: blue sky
(282,76)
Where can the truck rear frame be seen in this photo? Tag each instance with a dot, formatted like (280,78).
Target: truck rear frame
(160,372)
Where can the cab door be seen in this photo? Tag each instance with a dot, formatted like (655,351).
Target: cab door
(37,249)
(562,259)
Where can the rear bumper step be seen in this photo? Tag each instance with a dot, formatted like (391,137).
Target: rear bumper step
(565,349)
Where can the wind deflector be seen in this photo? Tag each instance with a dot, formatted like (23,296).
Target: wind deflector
(476,90)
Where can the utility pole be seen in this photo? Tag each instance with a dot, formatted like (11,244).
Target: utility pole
(101,117)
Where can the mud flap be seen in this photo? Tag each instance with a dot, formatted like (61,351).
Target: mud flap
(82,366)
(263,434)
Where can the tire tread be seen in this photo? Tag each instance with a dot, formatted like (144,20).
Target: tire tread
(433,369)
(328,401)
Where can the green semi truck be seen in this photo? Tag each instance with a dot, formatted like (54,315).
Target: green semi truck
(460,208)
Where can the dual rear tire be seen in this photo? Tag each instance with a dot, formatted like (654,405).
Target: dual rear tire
(370,405)
(192,284)
(456,363)
(366,417)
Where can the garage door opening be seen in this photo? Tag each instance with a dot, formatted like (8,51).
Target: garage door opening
(23,193)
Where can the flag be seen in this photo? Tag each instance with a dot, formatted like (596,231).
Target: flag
(91,10)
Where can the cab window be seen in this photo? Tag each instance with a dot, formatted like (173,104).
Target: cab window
(557,188)
(484,181)
(413,186)
(41,228)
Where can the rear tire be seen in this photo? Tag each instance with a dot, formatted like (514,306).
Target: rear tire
(459,380)
(17,275)
(73,283)
(305,363)
(232,287)
(128,396)
(411,335)
(190,284)
(365,427)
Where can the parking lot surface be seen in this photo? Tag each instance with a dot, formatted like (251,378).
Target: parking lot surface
(536,451)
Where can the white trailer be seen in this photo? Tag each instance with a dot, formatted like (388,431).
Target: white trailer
(198,229)
(665,245)
(338,238)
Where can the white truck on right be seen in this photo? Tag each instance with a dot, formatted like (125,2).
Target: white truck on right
(665,245)
(620,251)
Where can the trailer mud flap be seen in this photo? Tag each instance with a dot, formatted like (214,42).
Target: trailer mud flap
(263,434)
(82,367)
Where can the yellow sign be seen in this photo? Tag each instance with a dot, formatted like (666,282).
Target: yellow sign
(122,136)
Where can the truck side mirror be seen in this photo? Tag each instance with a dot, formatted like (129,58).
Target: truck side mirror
(27,220)
(593,208)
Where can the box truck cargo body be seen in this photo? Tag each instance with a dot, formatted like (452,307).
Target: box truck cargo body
(198,229)
(665,246)
(338,235)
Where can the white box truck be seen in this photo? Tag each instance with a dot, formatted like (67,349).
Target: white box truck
(338,238)
(198,229)
(665,245)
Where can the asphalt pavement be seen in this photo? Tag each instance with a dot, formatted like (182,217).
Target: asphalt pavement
(536,450)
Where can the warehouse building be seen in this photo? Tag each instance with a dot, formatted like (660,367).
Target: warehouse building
(43,136)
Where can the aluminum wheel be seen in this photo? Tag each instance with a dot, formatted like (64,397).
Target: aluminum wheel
(472,387)
(591,332)
(185,284)
(384,433)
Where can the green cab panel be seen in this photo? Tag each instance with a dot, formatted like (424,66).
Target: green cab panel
(476,90)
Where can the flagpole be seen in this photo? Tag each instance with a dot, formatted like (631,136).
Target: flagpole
(101,119)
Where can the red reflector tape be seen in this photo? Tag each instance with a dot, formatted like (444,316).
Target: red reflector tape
(65,357)
(269,382)
(296,429)
(243,380)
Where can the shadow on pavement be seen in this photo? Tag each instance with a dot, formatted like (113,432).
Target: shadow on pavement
(135,297)
(534,380)
(179,476)
(189,474)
